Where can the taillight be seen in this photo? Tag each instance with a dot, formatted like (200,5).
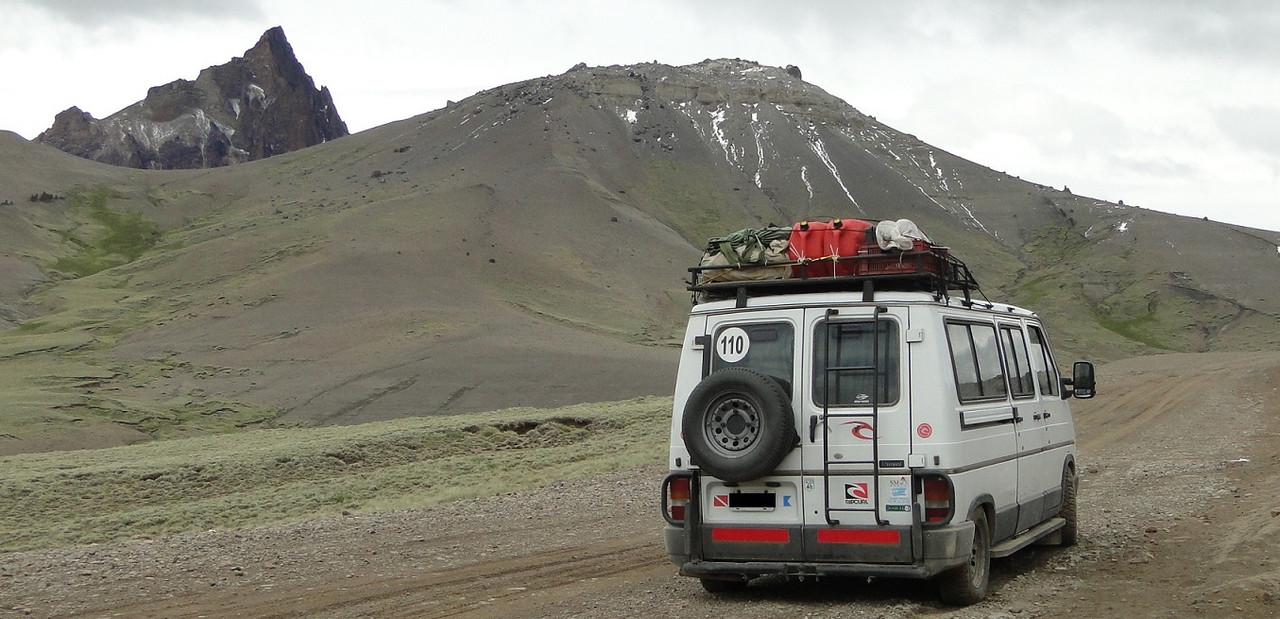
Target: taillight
(937,499)
(675,498)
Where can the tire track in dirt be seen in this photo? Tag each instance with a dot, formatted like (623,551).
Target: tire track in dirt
(482,586)
(1138,408)
(1131,403)
(490,585)
(1246,527)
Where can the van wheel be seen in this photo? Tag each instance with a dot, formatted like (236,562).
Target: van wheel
(1071,530)
(967,584)
(738,424)
(712,585)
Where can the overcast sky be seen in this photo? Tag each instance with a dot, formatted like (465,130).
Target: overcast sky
(1172,105)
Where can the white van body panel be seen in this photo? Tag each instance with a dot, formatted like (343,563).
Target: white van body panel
(848,498)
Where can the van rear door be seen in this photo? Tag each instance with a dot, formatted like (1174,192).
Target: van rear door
(856,415)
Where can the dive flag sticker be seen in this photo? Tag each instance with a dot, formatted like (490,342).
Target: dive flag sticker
(720,500)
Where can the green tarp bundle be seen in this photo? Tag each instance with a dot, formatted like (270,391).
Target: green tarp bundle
(747,246)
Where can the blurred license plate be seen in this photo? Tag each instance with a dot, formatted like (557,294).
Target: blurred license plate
(753,501)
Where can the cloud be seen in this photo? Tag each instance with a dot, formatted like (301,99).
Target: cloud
(1255,127)
(1241,31)
(93,14)
(1167,167)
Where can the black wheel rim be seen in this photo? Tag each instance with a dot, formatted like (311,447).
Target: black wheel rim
(978,557)
(732,426)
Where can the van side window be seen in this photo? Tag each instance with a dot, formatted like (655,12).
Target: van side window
(975,355)
(1017,362)
(1046,371)
(848,348)
(768,348)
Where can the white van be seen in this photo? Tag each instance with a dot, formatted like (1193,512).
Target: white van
(867,424)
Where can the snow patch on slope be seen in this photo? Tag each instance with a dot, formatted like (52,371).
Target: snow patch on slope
(820,149)
(933,173)
(758,131)
(717,131)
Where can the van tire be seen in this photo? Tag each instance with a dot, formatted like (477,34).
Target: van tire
(1070,531)
(968,583)
(738,424)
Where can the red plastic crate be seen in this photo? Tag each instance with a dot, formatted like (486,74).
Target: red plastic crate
(923,258)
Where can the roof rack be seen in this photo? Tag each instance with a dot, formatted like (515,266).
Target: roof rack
(924,268)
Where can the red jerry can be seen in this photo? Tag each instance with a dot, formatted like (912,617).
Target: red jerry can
(820,246)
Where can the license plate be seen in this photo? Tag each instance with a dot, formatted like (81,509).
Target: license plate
(753,501)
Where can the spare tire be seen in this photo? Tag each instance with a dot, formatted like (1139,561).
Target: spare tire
(738,424)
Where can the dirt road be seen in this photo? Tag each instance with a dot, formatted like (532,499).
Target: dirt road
(1179,517)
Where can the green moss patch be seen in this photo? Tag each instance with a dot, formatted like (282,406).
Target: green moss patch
(113,238)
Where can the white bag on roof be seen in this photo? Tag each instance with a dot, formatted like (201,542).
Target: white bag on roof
(898,234)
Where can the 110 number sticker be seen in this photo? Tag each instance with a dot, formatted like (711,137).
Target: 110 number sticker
(733,345)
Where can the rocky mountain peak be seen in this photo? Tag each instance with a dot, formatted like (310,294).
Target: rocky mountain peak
(258,105)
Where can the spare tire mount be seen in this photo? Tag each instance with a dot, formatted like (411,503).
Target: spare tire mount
(738,424)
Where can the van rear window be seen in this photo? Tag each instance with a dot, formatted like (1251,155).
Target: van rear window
(847,371)
(768,348)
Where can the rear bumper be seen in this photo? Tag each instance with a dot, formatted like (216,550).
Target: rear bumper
(943,548)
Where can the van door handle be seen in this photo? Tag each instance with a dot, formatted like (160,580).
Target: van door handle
(813,427)
(1016,417)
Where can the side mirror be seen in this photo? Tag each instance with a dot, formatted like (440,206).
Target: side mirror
(1082,380)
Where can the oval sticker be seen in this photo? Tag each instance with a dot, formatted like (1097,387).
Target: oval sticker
(733,345)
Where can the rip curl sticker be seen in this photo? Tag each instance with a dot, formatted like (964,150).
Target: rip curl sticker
(733,345)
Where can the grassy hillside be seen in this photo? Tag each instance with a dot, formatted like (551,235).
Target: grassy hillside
(526,247)
(271,476)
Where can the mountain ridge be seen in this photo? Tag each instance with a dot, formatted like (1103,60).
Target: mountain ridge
(254,106)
